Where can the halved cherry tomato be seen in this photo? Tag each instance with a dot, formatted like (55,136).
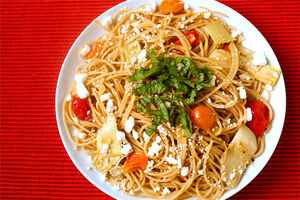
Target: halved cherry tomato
(96,49)
(203,117)
(171,6)
(135,161)
(260,117)
(81,108)
(192,36)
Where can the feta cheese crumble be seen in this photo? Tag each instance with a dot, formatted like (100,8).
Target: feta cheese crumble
(156,189)
(249,114)
(154,149)
(135,134)
(107,21)
(80,78)
(81,91)
(129,124)
(85,50)
(171,160)
(142,55)
(259,58)
(110,106)
(120,135)
(81,135)
(69,97)
(242,91)
(166,191)
(184,171)
(126,149)
(105,97)
(207,15)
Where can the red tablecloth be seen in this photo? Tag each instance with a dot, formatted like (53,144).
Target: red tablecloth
(35,37)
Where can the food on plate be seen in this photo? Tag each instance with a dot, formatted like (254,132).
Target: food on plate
(168,103)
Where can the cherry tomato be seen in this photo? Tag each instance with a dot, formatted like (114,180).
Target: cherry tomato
(203,117)
(192,36)
(260,117)
(81,108)
(171,6)
(135,161)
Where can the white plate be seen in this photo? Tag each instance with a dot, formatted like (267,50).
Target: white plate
(254,40)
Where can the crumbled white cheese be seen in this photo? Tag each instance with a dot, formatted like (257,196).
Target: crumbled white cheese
(275,75)
(135,24)
(154,149)
(249,114)
(146,137)
(129,124)
(161,129)
(149,166)
(200,172)
(182,26)
(158,25)
(171,160)
(107,21)
(81,135)
(149,7)
(232,175)
(168,104)
(184,171)
(132,16)
(208,100)
(207,15)
(120,135)
(269,87)
(186,6)
(142,55)
(259,58)
(137,31)
(105,97)
(243,93)
(244,77)
(81,91)
(156,189)
(158,139)
(213,80)
(110,106)
(199,10)
(135,134)
(85,50)
(166,191)
(69,97)
(126,149)
(228,120)
(104,148)
(241,171)
(80,78)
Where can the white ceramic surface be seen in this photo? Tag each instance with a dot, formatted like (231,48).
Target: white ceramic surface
(253,40)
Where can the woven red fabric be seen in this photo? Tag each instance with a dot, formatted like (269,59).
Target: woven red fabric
(35,37)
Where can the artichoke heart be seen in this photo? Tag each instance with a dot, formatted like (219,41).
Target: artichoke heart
(109,146)
(238,154)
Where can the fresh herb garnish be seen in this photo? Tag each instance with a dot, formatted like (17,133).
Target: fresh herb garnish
(166,75)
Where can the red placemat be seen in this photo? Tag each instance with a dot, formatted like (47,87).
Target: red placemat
(35,37)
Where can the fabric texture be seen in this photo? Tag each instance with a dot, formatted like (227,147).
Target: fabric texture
(35,37)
